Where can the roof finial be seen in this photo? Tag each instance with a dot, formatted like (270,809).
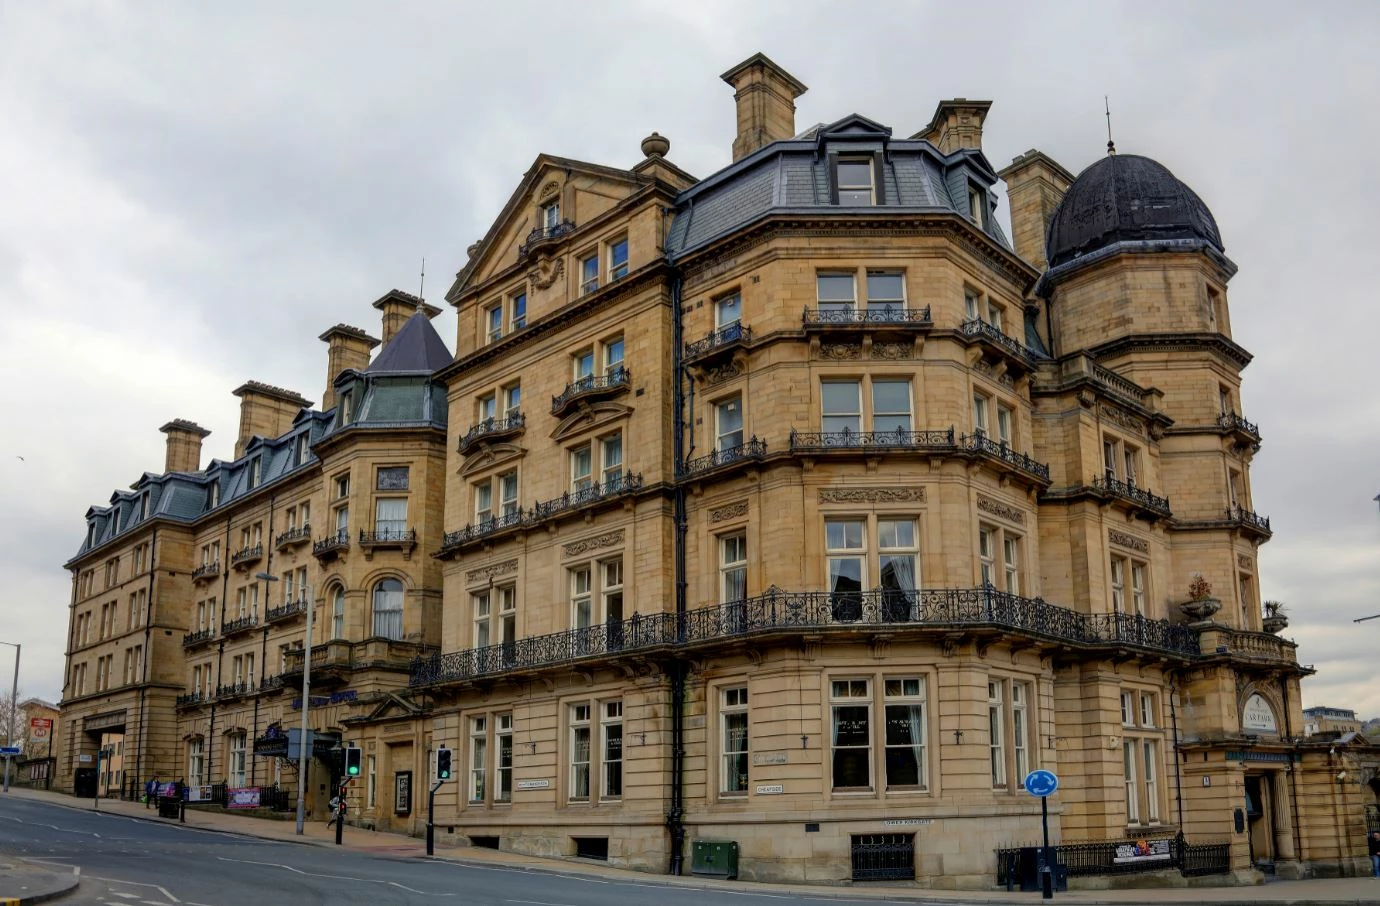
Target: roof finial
(1111,147)
(421,288)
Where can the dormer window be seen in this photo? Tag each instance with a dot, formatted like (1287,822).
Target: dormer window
(215,494)
(91,534)
(144,506)
(347,407)
(977,205)
(255,471)
(301,450)
(854,180)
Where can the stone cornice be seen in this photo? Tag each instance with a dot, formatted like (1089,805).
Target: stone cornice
(1175,342)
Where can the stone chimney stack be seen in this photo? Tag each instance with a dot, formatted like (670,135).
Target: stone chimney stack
(397,306)
(349,348)
(1035,185)
(766,96)
(265,411)
(956,124)
(184,445)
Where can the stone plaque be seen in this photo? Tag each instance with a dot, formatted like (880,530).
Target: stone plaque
(999,509)
(1121,539)
(770,758)
(392,479)
(728,511)
(1258,715)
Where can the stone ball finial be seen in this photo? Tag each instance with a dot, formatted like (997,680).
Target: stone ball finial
(656,145)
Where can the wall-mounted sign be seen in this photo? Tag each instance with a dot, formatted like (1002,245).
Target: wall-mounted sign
(769,789)
(762,758)
(402,793)
(906,822)
(1258,715)
(533,784)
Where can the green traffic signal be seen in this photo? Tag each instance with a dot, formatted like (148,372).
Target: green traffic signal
(352,761)
(443,764)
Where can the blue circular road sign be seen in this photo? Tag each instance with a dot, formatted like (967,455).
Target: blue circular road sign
(1041,783)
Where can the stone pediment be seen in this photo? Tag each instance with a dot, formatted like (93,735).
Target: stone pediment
(588,416)
(487,455)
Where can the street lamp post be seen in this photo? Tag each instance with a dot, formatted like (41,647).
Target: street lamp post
(14,711)
(304,746)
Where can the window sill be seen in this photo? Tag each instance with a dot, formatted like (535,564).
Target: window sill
(854,792)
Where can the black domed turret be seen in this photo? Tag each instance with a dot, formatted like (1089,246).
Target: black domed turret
(1126,198)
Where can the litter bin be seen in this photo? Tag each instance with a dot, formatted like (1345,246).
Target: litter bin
(714,859)
(169,807)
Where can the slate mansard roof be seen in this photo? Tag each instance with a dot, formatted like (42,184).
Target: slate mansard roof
(395,391)
(794,177)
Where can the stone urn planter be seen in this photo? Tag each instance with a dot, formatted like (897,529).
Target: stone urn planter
(1275,618)
(1199,609)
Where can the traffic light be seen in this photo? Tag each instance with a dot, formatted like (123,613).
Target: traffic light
(352,761)
(443,764)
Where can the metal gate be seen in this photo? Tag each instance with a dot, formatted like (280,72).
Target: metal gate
(883,857)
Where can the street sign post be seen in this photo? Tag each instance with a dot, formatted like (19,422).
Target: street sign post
(1043,784)
(10,750)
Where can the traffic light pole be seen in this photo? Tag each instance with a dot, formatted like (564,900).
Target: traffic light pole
(431,818)
(340,812)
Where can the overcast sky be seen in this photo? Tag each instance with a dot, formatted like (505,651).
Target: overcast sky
(191,192)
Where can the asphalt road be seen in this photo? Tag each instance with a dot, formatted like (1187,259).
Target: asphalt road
(125,860)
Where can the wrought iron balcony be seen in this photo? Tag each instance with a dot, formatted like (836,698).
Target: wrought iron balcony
(848,440)
(1128,491)
(866,318)
(544,234)
(271,684)
(985,446)
(293,536)
(287,611)
(779,612)
(206,571)
(247,555)
(241,624)
(492,429)
(331,545)
(1235,424)
(482,529)
(730,336)
(616,381)
(753,449)
(190,700)
(615,486)
(388,538)
(993,335)
(1249,519)
(234,690)
(199,637)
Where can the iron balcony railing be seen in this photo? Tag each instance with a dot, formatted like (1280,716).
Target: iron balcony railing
(484,528)
(241,624)
(388,536)
(198,637)
(1128,491)
(781,611)
(847,439)
(190,698)
(544,234)
(986,446)
(332,543)
(247,554)
(880,315)
(1233,422)
(234,690)
(749,450)
(294,536)
(733,334)
(976,327)
(613,486)
(1249,518)
(502,426)
(206,571)
(619,378)
(288,610)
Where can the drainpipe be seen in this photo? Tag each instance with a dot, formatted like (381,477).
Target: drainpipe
(675,815)
(263,648)
(148,652)
(209,747)
(1178,761)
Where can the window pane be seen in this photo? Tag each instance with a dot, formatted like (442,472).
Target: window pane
(842,534)
(835,287)
(728,310)
(893,533)
(855,173)
(884,287)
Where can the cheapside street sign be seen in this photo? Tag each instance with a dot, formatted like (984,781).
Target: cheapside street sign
(1041,783)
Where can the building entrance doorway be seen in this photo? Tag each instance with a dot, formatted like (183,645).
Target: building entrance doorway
(1262,818)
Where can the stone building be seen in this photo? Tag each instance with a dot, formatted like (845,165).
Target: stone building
(797,506)
(1324,720)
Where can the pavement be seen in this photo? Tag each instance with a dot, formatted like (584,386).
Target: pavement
(24,882)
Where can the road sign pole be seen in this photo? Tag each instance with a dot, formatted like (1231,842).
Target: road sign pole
(1046,870)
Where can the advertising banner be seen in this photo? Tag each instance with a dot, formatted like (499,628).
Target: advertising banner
(245,797)
(1142,851)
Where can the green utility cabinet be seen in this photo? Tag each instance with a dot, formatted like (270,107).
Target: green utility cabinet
(715,859)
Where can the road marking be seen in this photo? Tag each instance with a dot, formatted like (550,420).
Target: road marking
(161,890)
(537,902)
(521,869)
(312,874)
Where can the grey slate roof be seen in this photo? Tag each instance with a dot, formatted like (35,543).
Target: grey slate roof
(793,176)
(416,347)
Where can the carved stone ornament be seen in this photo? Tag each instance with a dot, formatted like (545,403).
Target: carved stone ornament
(548,190)
(871,495)
(893,351)
(1125,420)
(840,351)
(546,272)
(728,511)
(1243,561)
(608,539)
(1121,539)
(492,570)
(720,373)
(1000,510)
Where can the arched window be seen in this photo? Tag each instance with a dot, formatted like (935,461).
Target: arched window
(388,609)
(338,613)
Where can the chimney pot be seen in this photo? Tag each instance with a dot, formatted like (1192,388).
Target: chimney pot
(183,445)
(348,348)
(765,94)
